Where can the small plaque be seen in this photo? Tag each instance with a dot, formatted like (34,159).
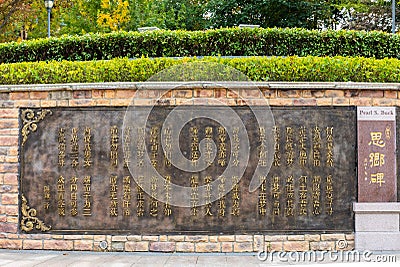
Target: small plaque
(376,154)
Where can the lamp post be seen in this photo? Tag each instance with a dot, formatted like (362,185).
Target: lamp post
(49,5)
(393,16)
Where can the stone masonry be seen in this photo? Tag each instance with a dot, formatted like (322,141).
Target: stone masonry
(120,94)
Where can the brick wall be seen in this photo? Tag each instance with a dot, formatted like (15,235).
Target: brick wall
(120,94)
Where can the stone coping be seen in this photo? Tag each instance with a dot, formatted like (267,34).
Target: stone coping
(376,207)
(202,85)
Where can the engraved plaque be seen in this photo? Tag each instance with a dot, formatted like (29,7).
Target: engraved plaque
(376,154)
(76,172)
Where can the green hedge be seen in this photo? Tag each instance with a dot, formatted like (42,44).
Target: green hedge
(327,69)
(220,42)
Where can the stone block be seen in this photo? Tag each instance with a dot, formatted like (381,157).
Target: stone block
(125,94)
(163,238)
(197,238)
(289,93)
(332,237)
(150,238)
(324,101)
(184,247)
(334,93)
(243,238)
(162,246)
(9,199)
(176,238)
(11,243)
(377,241)
(83,245)
(58,244)
(117,246)
(371,93)
(304,102)
(377,222)
(309,237)
(378,217)
(137,246)
(32,244)
(226,247)
(273,246)
(295,237)
(243,247)
(276,238)
(119,238)
(208,247)
(322,245)
(73,237)
(258,243)
(390,94)
(226,238)
(296,246)
(9,113)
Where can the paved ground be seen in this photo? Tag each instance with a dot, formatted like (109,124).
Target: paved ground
(82,259)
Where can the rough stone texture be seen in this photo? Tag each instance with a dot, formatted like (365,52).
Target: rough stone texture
(276,238)
(32,244)
(119,238)
(83,245)
(150,238)
(308,237)
(243,247)
(332,237)
(58,245)
(258,243)
(226,246)
(226,238)
(162,246)
(184,247)
(244,238)
(176,238)
(295,237)
(134,237)
(323,245)
(208,247)
(197,238)
(137,246)
(10,244)
(296,246)
(273,246)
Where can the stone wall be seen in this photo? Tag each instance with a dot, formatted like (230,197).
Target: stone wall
(120,94)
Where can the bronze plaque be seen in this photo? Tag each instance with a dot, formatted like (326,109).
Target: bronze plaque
(377,179)
(86,170)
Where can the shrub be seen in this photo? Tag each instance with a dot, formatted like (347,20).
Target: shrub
(313,69)
(220,42)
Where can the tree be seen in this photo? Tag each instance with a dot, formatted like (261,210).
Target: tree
(268,13)
(368,15)
(113,15)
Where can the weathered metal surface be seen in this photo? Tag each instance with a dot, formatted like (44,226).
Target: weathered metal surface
(310,186)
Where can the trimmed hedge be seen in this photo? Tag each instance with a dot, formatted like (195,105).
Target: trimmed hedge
(220,42)
(327,69)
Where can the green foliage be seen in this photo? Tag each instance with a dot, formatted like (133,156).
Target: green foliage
(223,42)
(269,13)
(294,69)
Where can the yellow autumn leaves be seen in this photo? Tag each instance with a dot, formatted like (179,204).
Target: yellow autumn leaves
(113,14)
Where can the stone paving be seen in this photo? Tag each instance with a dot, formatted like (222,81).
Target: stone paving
(82,259)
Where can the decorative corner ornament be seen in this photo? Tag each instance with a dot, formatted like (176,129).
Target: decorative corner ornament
(29,220)
(30,119)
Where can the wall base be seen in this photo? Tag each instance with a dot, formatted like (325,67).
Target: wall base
(377,226)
